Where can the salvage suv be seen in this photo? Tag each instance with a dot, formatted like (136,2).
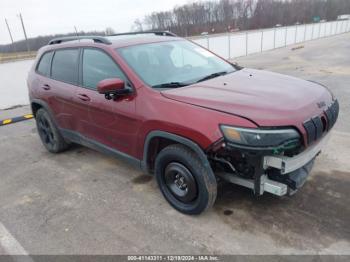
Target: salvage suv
(180,112)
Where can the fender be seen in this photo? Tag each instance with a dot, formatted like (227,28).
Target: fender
(181,140)
(45,106)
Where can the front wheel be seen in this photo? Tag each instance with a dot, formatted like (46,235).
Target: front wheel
(184,181)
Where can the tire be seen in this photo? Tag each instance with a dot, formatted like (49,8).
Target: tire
(49,133)
(184,181)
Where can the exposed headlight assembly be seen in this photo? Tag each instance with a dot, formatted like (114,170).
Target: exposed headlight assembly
(251,137)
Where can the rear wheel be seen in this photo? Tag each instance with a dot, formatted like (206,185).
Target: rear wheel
(184,181)
(49,133)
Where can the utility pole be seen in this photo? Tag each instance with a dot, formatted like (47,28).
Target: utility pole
(8,28)
(76,31)
(24,31)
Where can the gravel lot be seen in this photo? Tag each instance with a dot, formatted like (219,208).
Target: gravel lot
(83,202)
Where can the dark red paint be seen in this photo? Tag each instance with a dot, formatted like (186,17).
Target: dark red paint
(246,98)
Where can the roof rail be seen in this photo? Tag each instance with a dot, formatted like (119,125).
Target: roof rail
(159,33)
(96,39)
(104,40)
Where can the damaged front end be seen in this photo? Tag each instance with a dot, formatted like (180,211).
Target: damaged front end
(264,160)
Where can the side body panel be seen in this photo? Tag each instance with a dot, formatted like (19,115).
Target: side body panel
(112,123)
(197,124)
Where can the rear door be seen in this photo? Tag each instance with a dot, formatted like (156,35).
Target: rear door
(42,80)
(63,85)
(111,123)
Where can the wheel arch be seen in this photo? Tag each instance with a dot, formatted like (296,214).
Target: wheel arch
(157,140)
(36,104)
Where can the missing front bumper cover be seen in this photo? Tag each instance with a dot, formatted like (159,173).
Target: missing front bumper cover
(277,174)
(289,164)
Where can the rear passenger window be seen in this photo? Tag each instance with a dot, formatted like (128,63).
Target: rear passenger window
(65,66)
(44,64)
(98,66)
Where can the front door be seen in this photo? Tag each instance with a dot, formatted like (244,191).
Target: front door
(111,123)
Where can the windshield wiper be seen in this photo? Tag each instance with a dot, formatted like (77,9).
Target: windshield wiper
(212,76)
(170,85)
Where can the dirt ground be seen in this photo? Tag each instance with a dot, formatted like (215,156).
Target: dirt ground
(83,202)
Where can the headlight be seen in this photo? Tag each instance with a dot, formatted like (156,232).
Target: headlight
(260,137)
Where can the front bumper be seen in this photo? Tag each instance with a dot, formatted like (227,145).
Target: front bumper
(289,164)
(277,174)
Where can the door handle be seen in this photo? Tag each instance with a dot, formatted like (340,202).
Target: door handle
(83,97)
(46,87)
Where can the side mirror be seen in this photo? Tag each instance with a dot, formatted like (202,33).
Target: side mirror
(112,88)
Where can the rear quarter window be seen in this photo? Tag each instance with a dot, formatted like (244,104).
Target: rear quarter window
(43,67)
(65,66)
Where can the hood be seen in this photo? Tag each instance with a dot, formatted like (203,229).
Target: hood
(266,98)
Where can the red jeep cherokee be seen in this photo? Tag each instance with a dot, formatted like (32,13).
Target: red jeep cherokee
(180,112)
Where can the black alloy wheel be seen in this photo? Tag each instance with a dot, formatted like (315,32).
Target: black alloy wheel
(45,132)
(49,133)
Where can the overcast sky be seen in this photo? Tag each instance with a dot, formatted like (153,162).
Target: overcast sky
(43,17)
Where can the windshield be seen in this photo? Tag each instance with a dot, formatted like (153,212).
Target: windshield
(174,64)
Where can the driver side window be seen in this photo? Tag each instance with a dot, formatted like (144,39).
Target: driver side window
(98,66)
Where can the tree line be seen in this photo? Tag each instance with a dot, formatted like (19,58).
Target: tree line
(217,17)
(231,15)
(36,42)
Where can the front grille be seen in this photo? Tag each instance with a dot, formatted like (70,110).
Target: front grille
(315,127)
(332,114)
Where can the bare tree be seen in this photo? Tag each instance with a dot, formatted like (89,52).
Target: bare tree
(221,16)
(137,26)
(110,31)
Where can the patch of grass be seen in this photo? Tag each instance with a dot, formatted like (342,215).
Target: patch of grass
(8,57)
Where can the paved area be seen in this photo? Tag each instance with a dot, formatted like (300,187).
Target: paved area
(83,202)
